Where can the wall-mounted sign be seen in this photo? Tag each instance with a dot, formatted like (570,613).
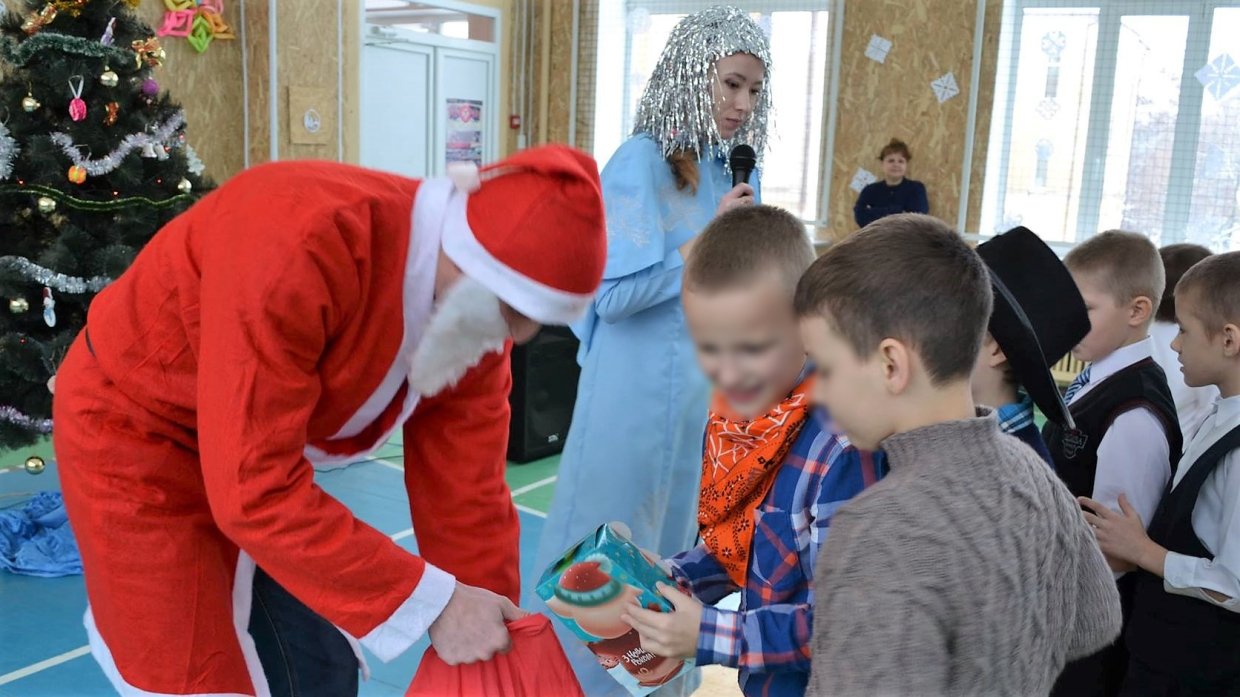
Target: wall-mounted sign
(464,131)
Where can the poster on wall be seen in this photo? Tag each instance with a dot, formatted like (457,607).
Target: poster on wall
(464,142)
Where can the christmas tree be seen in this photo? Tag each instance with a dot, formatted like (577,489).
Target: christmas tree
(93,161)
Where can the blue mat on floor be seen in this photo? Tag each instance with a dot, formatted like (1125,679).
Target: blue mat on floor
(36,540)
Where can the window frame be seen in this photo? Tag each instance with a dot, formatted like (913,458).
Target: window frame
(1200,14)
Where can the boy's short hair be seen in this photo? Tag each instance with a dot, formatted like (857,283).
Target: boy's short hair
(909,277)
(746,242)
(1126,263)
(1214,285)
(1176,259)
(897,146)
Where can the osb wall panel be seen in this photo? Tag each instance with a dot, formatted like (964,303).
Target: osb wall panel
(208,86)
(352,80)
(307,57)
(550,60)
(985,101)
(878,101)
(256,44)
(558,93)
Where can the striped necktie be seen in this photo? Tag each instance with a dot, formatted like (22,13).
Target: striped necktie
(1078,382)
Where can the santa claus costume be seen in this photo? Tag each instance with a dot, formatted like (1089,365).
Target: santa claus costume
(283,322)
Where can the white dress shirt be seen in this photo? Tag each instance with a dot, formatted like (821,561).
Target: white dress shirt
(1134,457)
(1191,403)
(1216,518)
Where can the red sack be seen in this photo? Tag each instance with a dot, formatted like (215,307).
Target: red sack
(535,667)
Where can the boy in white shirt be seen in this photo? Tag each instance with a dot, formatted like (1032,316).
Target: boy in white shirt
(1184,637)
(1126,437)
(1191,403)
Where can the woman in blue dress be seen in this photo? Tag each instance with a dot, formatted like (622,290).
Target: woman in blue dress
(634,450)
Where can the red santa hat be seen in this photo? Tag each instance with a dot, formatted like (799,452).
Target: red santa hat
(530,229)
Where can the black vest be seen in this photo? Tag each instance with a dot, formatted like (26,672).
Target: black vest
(1142,384)
(1177,634)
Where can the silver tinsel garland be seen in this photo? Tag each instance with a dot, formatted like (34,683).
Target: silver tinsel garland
(50,279)
(196,167)
(17,418)
(677,108)
(8,152)
(134,141)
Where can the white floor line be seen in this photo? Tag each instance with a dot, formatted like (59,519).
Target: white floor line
(385,463)
(531,511)
(535,485)
(44,665)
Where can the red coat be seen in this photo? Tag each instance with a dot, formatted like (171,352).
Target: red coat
(250,331)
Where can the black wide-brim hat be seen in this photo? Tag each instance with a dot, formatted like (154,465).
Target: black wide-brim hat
(1039,314)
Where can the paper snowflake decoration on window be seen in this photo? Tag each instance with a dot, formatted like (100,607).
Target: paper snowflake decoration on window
(862,179)
(945,87)
(1047,108)
(1220,76)
(1053,43)
(878,49)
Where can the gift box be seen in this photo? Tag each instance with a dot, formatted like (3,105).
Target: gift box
(588,590)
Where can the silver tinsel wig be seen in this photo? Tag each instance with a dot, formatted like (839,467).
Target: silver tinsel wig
(677,108)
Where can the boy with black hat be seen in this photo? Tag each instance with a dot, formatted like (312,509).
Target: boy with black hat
(1038,317)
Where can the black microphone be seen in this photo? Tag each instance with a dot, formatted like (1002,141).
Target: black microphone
(742,161)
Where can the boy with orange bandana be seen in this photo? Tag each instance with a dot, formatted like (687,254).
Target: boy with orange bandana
(773,467)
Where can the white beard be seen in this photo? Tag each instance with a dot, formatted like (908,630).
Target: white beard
(466,325)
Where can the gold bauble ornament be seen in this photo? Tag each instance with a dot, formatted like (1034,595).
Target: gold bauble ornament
(184,186)
(35,464)
(18,305)
(46,205)
(109,78)
(29,103)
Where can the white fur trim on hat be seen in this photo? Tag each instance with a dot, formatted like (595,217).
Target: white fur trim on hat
(539,302)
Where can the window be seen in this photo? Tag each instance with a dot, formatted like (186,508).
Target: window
(1117,114)
(800,43)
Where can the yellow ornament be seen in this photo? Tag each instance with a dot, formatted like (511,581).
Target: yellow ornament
(29,103)
(46,205)
(35,464)
(35,22)
(18,306)
(148,51)
(184,186)
(77,174)
(109,78)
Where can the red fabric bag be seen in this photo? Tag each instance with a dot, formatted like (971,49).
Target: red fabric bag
(535,667)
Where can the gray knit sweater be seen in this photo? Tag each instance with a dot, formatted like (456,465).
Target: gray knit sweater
(967,571)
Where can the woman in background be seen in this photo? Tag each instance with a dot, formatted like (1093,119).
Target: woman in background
(1192,404)
(634,450)
(895,194)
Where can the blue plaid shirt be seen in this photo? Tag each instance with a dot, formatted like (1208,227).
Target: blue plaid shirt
(768,638)
(1016,419)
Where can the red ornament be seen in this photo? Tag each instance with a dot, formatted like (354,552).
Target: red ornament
(77,174)
(77,106)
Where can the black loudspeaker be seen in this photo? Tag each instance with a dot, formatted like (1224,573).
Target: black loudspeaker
(544,388)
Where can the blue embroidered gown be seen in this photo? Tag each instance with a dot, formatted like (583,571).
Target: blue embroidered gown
(634,451)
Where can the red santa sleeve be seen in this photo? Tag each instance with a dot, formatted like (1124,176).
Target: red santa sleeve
(267,312)
(462,509)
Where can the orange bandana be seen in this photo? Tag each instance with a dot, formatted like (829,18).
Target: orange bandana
(738,469)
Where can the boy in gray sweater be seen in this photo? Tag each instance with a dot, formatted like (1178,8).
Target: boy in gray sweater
(968,570)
